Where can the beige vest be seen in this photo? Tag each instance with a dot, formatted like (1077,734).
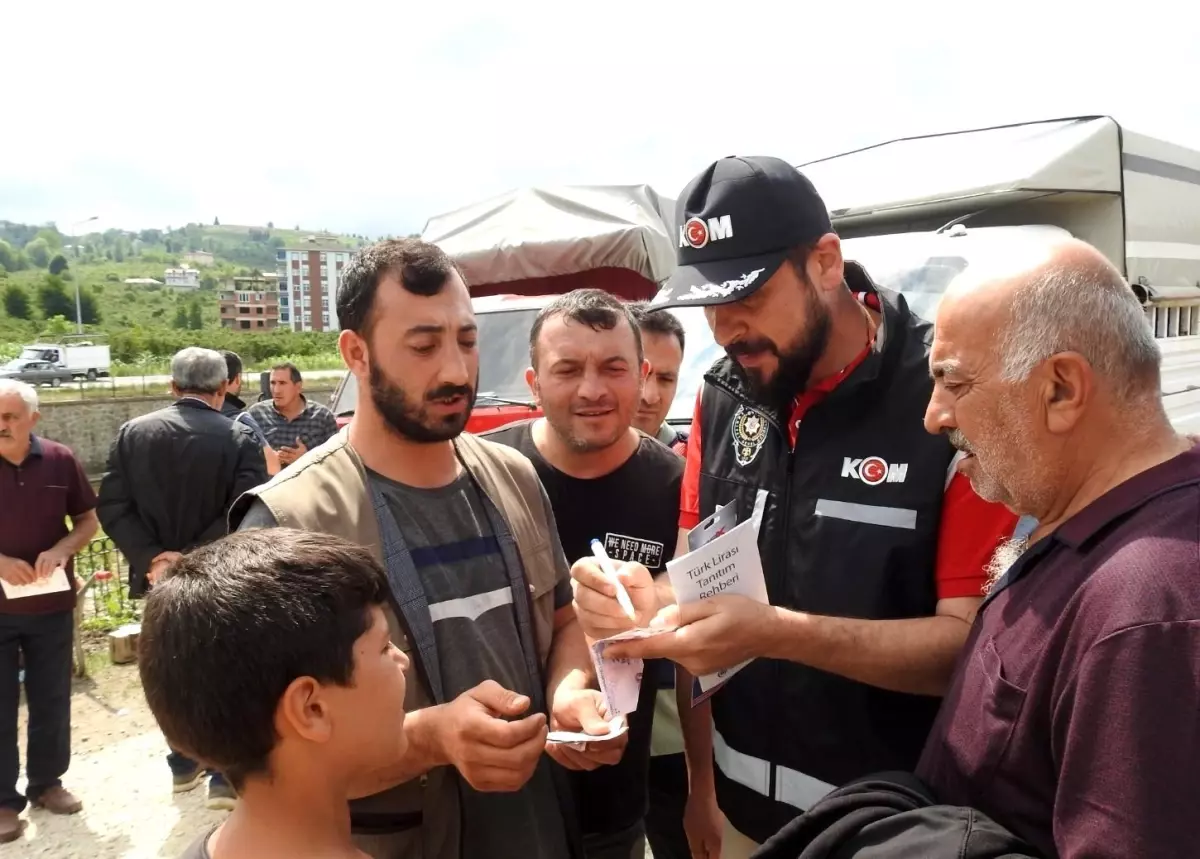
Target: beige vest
(326,490)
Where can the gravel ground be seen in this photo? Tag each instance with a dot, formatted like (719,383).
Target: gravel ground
(119,770)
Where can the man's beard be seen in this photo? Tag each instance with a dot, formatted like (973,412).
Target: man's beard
(796,362)
(411,421)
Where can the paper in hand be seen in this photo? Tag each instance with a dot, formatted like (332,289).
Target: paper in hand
(53,583)
(620,679)
(616,727)
(725,562)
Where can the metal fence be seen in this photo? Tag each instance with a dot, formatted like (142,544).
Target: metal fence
(102,576)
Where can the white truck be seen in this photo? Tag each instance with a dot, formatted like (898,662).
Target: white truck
(917,211)
(80,355)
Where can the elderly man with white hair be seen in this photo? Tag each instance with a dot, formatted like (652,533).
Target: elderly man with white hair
(170,479)
(42,485)
(1072,717)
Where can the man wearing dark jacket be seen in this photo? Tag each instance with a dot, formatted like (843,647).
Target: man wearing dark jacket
(170,479)
(235,408)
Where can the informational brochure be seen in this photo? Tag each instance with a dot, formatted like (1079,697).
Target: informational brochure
(724,561)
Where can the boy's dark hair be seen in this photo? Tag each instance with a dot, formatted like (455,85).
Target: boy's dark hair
(595,308)
(421,267)
(292,369)
(233,363)
(657,321)
(234,622)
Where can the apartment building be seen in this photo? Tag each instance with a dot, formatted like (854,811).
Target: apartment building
(309,276)
(250,303)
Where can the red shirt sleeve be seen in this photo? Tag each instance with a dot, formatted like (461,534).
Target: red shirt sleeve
(970,531)
(689,493)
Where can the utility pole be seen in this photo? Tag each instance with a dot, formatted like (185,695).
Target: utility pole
(78,304)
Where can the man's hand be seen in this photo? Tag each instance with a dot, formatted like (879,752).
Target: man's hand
(709,635)
(288,455)
(16,572)
(596,606)
(489,751)
(159,565)
(49,561)
(703,824)
(583,711)
(273,459)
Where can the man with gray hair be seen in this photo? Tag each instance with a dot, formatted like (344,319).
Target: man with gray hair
(42,485)
(1071,718)
(171,477)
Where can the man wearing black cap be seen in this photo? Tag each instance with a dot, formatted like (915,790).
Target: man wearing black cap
(873,549)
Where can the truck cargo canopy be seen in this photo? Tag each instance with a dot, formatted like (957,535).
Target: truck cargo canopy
(1135,198)
(537,233)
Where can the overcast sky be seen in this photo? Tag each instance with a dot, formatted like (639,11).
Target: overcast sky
(370,117)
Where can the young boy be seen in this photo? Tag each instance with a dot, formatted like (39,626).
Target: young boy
(266,656)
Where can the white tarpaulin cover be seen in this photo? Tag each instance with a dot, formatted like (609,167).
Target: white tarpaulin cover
(1064,155)
(546,232)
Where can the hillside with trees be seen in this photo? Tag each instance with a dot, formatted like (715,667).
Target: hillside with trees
(146,323)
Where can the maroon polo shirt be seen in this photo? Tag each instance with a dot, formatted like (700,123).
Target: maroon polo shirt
(36,498)
(1074,714)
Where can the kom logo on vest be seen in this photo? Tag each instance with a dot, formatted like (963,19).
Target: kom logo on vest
(873,470)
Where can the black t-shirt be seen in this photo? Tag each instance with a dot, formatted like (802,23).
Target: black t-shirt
(634,513)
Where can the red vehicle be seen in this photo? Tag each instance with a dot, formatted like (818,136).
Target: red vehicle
(504,323)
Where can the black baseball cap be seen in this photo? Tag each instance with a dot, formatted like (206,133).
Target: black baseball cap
(735,224)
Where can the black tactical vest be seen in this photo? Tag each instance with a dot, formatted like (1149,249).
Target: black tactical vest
(850,530)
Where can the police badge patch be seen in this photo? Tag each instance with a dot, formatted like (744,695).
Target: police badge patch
(749,432)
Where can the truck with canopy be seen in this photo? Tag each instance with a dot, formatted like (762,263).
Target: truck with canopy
(917,211)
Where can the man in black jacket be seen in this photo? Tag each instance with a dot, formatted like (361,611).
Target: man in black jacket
(235,408)
(170,479)
(873,549)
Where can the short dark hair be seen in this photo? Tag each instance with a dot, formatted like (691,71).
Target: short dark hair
(595,308)
(233,363)
(657,320)
(291,368)
(234,622)
(421,267)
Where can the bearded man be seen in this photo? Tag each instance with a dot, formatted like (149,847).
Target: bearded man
(873,551)
(480,588)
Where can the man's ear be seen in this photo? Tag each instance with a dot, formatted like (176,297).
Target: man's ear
(1067,386)
(826,268)
(354,352)
(531,381)
(304,712)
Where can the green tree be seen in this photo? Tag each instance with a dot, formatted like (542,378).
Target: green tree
(16,302)
(53,237)
(195,317)
(57,326)
(58,265)
(181,317)
(270,225)
(38,252)
(216,222)
(9,258)
(53,299)
(88,307)
(119,254)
